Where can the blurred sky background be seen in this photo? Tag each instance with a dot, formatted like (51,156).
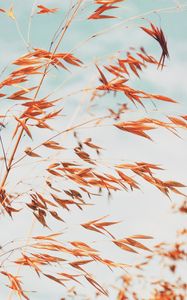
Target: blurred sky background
(147,211)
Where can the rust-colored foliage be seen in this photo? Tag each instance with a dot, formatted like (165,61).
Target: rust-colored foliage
(44,10)
(52,179)
(105,5)
(158,35)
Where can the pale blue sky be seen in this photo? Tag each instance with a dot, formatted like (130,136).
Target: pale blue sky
(147,212)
